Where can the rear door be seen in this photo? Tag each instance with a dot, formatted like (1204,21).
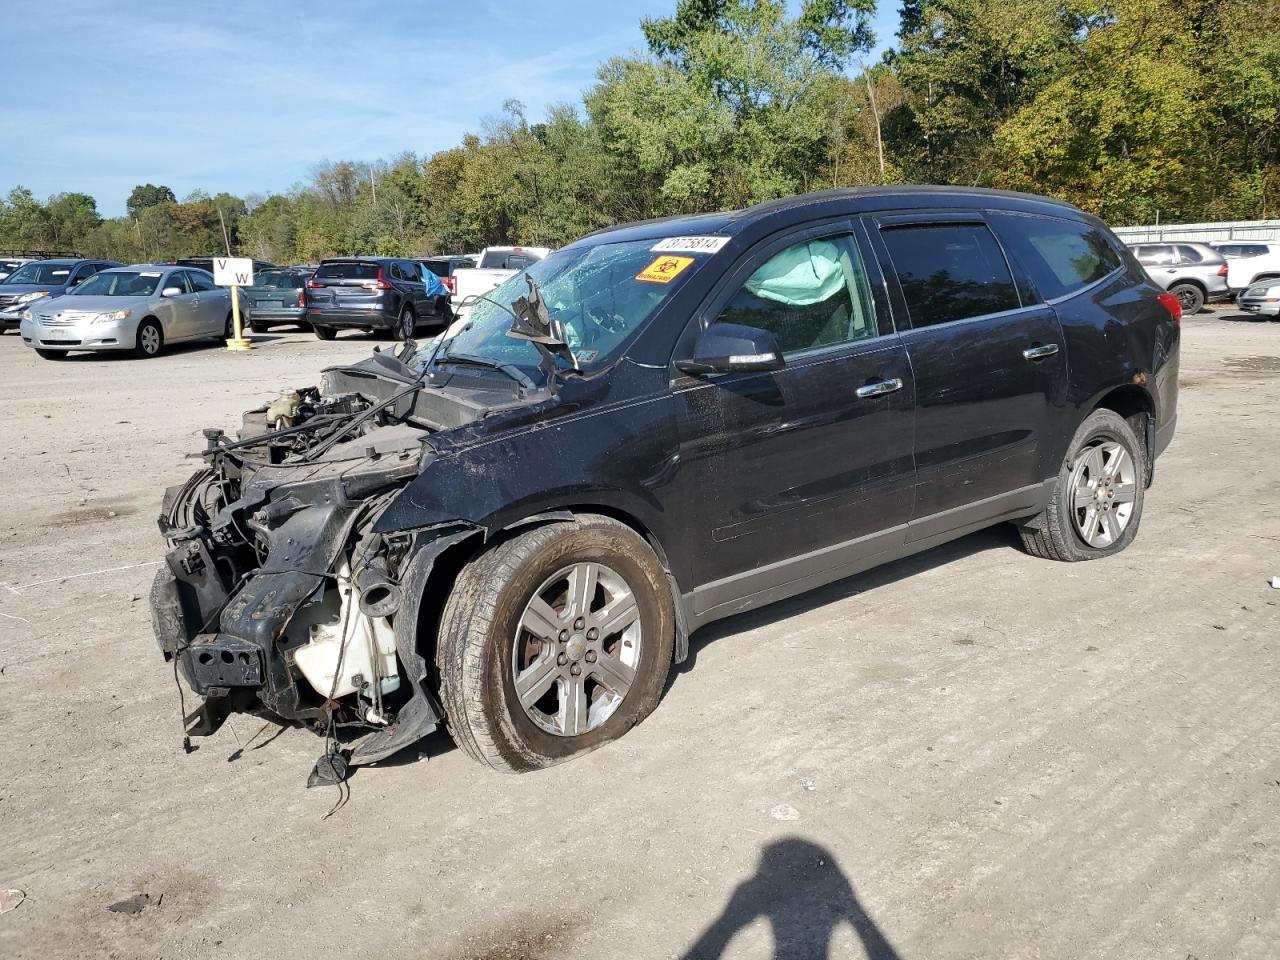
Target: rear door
(989,368)
(803,472)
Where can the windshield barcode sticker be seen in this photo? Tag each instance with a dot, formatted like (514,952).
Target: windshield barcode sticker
(689,245)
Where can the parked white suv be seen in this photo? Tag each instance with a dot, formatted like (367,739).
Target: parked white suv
(1248,262)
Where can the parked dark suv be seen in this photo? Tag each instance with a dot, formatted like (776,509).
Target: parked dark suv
(516,529)
(38,280)
(373,293)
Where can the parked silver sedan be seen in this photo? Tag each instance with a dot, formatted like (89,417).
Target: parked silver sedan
(1192,272)
(140,309)
(1263,298)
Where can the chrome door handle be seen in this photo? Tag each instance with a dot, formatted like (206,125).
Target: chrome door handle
(1035,353)
(878,388)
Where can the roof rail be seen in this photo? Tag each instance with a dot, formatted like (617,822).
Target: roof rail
(40,254)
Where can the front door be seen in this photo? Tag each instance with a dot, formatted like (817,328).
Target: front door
(803,472)
(183,323)
(990,371)
(213,303)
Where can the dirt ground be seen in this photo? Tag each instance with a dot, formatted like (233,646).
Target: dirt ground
(971,753)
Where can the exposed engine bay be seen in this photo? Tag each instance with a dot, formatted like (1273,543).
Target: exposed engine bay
(277,597)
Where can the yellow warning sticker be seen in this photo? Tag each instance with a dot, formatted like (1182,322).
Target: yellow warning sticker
(664,269)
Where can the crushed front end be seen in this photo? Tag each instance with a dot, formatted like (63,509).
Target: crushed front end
(277,597)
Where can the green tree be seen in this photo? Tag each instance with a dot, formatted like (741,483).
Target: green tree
(147,195)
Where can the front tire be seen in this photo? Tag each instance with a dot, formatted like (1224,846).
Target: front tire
(150,340)
(51,354)
(554,642)
(1097,501)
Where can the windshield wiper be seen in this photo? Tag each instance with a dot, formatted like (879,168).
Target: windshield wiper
(473,360)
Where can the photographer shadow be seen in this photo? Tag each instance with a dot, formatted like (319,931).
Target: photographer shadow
(805,897)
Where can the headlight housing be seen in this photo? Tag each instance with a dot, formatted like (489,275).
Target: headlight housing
(112,315)
(28,297)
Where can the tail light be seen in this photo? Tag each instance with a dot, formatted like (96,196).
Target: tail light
(450,284)
(313,283)
(1170,303)
(1222,270)
(379,284)
(302,297)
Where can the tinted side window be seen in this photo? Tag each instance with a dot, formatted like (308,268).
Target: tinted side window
(950,272)
(200,281)
(178,279)
(1064,255)
(1189,255)
(810,295)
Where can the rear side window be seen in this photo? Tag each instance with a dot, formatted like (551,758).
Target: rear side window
(950,272)
(811,295)
(507,260)
(1242,249)
(1064,256)
(439,267)
(1189,254)
(200,281)
(347,270)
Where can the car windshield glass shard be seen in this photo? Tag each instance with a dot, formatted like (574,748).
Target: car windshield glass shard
(118,284)
(591,291)
(56,273)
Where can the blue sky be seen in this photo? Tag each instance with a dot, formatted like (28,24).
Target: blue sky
(248,96)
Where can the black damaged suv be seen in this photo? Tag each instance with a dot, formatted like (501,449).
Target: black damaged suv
(514,527)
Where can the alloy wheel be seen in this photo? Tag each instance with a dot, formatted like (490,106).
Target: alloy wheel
(1104,484)
(576,649)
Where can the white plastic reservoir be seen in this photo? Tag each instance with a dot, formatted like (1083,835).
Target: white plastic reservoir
(368,650)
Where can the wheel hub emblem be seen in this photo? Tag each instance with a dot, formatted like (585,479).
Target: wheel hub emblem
(576,647)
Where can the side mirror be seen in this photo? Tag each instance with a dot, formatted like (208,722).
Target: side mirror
(730,347)
(171,292)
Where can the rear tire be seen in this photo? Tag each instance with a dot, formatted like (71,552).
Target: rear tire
(1097,501)
(590,669)
(258,327)
(324,333)
(149,341)
(1190,296)
(404,327)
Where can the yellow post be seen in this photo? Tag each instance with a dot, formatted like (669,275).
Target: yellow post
(238,342)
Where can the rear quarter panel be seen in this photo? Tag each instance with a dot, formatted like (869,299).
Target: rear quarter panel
(1117,334)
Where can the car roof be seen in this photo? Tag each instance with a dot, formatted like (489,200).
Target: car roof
(848,201)
(362,259)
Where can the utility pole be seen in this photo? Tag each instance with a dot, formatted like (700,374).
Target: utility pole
(226,241)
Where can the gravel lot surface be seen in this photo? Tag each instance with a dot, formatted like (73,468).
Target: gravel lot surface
(971,753)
